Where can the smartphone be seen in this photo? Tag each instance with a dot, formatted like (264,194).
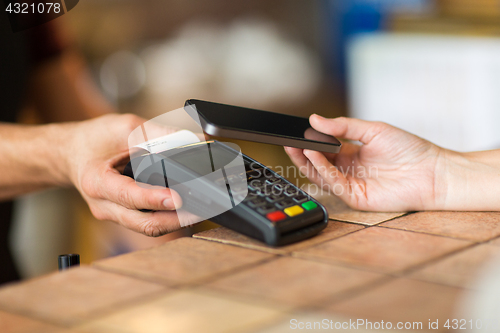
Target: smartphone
(236,122)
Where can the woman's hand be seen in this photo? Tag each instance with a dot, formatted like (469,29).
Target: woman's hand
(391,170)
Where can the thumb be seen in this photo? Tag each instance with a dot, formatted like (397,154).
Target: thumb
(348,128)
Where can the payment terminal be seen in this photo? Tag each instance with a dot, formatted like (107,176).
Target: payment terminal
(261,204)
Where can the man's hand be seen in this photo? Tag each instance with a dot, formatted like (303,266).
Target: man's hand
(93,152)
(391,170)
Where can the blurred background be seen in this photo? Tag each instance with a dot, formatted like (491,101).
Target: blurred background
(431,67)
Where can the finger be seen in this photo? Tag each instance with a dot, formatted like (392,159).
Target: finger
(347,157)
(348,191)
(125,192)
(151,224)
(305,167)
(349,148)
(296,155)
(202,136)
(348,128)
(312,134)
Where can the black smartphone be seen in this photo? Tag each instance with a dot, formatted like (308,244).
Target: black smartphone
(259,126)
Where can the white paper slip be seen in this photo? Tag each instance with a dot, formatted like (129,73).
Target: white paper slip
(166,142)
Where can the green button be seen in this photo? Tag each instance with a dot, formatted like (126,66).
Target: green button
(310,205)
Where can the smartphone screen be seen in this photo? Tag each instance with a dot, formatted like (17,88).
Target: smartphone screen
(261,126)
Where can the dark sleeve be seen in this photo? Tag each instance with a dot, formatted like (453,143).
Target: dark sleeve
(45,42)
(9,271)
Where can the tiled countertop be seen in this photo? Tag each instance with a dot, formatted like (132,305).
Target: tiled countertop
(394,267)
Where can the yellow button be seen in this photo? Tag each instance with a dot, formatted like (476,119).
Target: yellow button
(294,210)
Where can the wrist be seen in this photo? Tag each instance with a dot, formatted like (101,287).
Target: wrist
(32,158)
(468,181)
(57,153)
(449,176)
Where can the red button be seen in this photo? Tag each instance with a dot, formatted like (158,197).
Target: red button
(276,216)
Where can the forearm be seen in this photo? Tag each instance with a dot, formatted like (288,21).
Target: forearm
(32,158)
(472,181)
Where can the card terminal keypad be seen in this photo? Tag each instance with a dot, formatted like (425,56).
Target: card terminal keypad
(274,197)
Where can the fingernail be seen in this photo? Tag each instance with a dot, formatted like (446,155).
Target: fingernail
(169,204)
(317,115)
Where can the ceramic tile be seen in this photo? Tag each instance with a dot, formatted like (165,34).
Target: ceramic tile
(12,323)
(75,295)
(294,282)
(227,236)
(183,261)
(402,300)
(474,226)
(338,210)
(188,311)
(461,269)
(384,249)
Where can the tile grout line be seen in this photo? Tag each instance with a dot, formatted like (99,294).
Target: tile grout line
(418,267)
(288,253)
(175,284)
(341,295)
(430,233)
(373,224)
(396,273)
(352,293)
(28,314)
(346,265)
(249,299)
(93,315)
(237,270)
(410,270)
(124,305)
(329,240)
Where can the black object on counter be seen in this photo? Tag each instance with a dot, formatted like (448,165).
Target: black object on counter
(68,260)
(269,208)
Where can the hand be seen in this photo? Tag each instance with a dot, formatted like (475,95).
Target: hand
(94,151)
(391,170)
